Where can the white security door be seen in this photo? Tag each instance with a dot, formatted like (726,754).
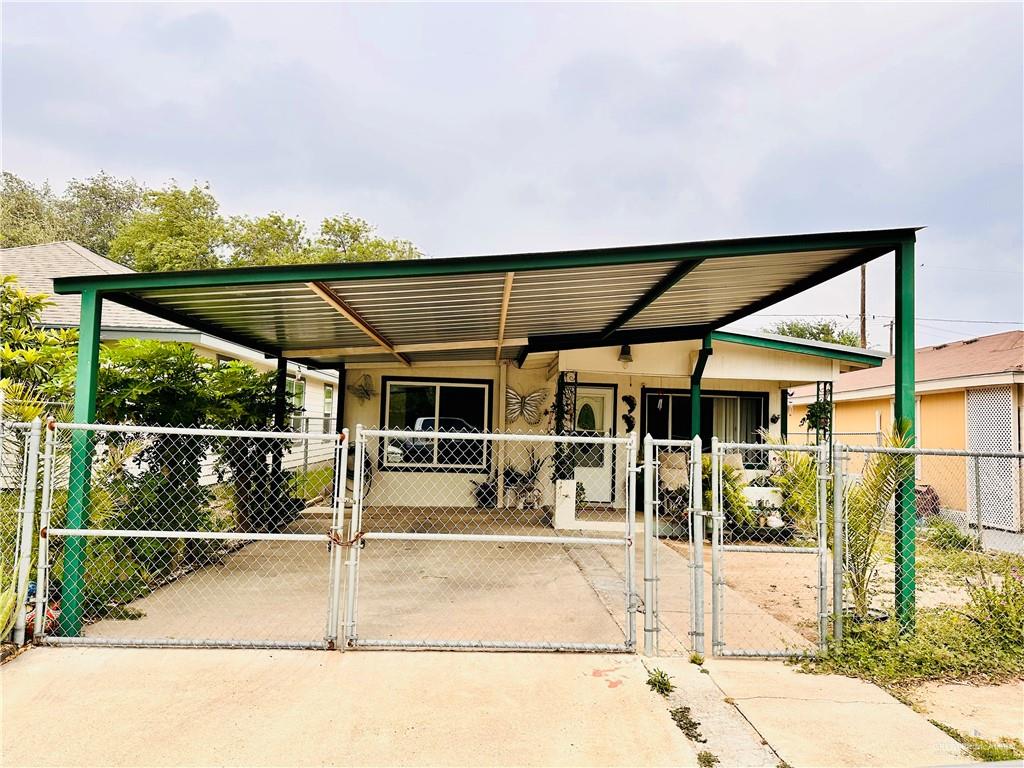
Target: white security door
(595,463)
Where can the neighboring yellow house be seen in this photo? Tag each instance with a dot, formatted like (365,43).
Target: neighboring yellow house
(970,396)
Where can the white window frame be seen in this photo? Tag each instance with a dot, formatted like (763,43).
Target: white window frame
(328,409)
(296,387)
(435,465)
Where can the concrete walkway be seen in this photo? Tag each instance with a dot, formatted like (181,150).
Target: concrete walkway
(828,720)
(120,707)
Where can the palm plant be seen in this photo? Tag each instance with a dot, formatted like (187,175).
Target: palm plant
(867,503)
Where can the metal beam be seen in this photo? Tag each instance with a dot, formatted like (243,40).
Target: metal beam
(561,341)
(429,346)
(280,393)
(80,472)
(677,273)
(337,303)
(506,294)
(703,354)
(887,240)
(904,408)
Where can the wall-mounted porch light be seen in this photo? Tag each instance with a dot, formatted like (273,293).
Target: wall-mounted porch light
(625,356)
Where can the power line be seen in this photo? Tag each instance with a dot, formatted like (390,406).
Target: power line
(850,316)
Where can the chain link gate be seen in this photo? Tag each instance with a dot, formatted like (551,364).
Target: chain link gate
(674,524)
(500,541)
(183,537)
(770,574)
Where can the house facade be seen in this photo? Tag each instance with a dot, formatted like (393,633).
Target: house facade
(637,389)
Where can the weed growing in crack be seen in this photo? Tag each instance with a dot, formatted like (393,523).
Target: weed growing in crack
(707,759)
(659,681)
(685,723)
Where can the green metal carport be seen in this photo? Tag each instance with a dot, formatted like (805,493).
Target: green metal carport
(496,308)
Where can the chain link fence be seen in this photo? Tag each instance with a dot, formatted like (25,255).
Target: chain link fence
(955,514)
(155,535)
(193,537)
(470,540)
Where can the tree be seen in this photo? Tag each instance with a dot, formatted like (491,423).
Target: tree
(93,210)
(270,239)
(27,213)
(817,330)
(176,229)
(349,238)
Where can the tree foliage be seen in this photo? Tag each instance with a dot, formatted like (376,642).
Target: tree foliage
(817,330)
(178,228)
(90,211)
(29,354)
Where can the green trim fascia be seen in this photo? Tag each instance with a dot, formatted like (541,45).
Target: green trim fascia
(797,348)
(677,273)
(886,239)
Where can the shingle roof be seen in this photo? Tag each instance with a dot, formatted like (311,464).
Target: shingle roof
(35,267)
(998,353)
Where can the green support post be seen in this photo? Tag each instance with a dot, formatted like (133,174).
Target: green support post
(81,463)
(905,401)
(698,373)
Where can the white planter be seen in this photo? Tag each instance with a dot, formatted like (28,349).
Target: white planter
(565,504)
(772,497)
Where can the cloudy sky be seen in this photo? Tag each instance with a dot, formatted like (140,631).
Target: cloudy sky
(490,128)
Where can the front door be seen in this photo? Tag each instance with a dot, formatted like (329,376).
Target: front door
(595,463)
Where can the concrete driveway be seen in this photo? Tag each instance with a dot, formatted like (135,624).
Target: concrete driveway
(120,707)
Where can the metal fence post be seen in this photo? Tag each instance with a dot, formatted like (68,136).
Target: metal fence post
(45,509)
(716,554)
(25,534)
(977,502)
(631,471)
(337,534)
(649,544)
(838,539)
(697,497)
(823,477)
(351,582)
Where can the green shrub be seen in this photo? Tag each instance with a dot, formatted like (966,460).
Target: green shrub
(997,607)
(945,534)
(735,505)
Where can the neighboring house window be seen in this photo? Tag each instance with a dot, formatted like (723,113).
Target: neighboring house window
(296,389)
(328,407)
(222,359)
(436,406)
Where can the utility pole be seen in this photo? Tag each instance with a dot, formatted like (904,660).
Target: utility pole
(890,325)
(864,306)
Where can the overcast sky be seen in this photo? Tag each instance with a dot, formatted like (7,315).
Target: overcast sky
(482,129)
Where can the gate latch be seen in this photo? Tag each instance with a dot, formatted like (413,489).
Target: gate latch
(356,541)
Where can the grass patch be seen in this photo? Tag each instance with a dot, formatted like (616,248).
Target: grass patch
(984,640)
(697,658)
(660,681)
(707,759)
(684,722)
(985,750)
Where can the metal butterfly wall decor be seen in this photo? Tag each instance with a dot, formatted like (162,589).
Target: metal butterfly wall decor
(363,389)
(529,407)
